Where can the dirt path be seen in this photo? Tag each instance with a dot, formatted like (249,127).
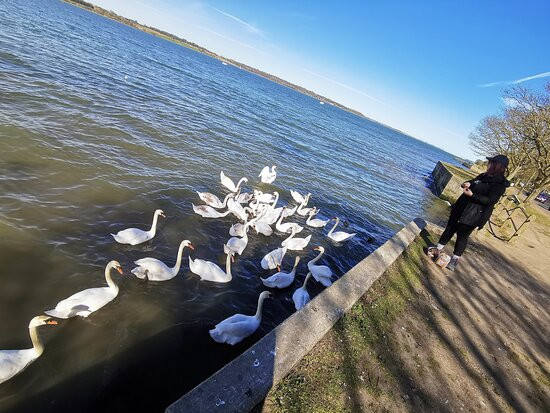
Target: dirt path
(427,339)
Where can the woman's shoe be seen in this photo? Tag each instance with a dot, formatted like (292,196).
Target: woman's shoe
(452,264)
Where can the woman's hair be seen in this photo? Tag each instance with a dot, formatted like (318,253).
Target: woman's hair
(496,168)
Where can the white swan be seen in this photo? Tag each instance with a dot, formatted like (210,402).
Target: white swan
(321,273)
(287,226)
(268,176)
(236,209)
(288,212)
(339,236)
(213,201)
(281,279)
(236,328)
(86,302)
(155,270)
(244,198)
(301,296)
(236,244)
(206,211)
(13,362)
(316,223)
(229,184)
(263,228)
(274,259)
(208,271)
(302,210)
(295,244)
(134,236)
(266,198)
(297,197)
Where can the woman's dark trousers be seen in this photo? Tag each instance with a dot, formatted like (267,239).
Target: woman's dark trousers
(462,232)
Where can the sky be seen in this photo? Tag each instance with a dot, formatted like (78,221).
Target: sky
(432,69)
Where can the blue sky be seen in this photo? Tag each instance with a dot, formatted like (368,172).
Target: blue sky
(432,69)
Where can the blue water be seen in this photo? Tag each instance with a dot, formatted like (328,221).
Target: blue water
(100,124)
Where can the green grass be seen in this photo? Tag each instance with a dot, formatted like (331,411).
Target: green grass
(341,367)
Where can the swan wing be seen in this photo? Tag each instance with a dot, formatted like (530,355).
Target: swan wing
(83,303)
(300,298)
(263,228)
(208,271)
(278,280)
(210,199)
(272,259)
(155,269)
(340,236)
(297,197)
(319,270)
(234,329)
(13,362)
(264,172)
(132,236)
(227,182)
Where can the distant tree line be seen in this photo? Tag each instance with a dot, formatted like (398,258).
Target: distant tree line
(522,132)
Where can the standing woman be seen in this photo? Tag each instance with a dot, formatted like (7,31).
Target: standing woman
(474,207)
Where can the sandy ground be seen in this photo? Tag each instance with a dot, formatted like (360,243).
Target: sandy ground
(477,339)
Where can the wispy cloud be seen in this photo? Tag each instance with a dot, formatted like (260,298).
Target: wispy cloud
(249,27)
(515,82)
(231,40)
(359,92)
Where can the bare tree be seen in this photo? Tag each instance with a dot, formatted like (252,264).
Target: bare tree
(521,132)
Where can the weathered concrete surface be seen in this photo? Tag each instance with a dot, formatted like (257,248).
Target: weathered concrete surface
(447,184)
(244,382)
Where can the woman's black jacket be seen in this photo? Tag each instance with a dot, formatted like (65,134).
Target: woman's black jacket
(476,210)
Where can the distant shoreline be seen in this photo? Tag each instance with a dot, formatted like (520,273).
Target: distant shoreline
(190,45)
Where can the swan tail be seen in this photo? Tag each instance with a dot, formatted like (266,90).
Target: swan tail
(222,337)
(140,272)
(115,236)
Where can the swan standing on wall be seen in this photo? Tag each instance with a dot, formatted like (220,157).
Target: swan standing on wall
(281,279)
(155,270)
(339,236)
(86,302)
(236,328)
(296,244)
(301,296)
(206,211)
(134,236)
(316,223)
(274,259)
(229,184)
(213,201)
(13,362)
(321,273)
(208,271)
(267,176)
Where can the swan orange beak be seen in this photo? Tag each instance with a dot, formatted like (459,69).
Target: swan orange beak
(119,269)
(191,246)
(52,322)
(232,258)
(279,268)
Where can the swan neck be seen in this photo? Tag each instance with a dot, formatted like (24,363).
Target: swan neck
(109,280)
(153,229)
(36,342)
(290,237)
(260,305)
(276,200)
(240,182)
(176,268)
(318,257)
(228,265)
(334,227)
(224,204)
(306,280)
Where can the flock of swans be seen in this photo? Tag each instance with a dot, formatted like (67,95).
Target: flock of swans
(260,213)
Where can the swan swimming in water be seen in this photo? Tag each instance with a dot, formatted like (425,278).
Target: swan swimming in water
(206,211)
(321,273)
(339,236)
(274,259)
(281,279)
(155,270)
(13,362)
(134,236)
(267,176)
(300,199)
(296,244)
(316,223)
(301,296)
(236,328)
(229,184)
(86,302)
(208,271)
(213,201)
(287,226)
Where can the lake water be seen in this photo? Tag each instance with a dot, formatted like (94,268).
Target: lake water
(101,124)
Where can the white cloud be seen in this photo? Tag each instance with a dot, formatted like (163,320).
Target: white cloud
(359,92)
(248,26)
(515,82)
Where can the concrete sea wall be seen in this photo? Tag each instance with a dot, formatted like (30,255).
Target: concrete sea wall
(447,180)
(244,382)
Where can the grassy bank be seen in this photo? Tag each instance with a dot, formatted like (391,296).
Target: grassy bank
(356,358)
